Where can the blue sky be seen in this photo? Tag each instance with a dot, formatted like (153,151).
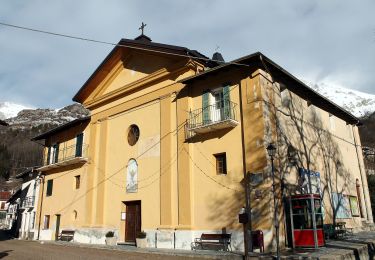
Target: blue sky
(318,41)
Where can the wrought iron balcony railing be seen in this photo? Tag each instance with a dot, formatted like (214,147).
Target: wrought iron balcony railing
(64,154)
(221,115)
(28,202)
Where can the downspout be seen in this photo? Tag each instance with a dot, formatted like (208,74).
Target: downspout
(177,175)
(41,206)
(248,226)
(361,174)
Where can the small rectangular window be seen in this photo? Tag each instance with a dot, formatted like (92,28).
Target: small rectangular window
(49,187)
(46,222)
(221,163)
(77,181)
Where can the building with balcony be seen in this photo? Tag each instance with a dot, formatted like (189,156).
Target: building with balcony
(21,214)
(174,138)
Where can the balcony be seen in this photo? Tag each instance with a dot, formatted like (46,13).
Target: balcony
(27,202)
(221,115)
(64,156)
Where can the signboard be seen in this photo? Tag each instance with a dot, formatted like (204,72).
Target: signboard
(341,204)
(304,175)
(354,206)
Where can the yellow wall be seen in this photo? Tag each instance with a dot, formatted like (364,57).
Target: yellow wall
(147,154)
(215,199)
(177,182)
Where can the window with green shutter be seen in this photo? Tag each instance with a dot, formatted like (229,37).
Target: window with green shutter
(48,155)
(206,107)
(227,108)
(56,153)
(49,188)
(79,143)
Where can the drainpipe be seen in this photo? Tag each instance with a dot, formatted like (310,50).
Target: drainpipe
(248,242)
(41,205)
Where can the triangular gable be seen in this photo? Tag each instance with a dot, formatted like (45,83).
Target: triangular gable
(134,67)
(132,61)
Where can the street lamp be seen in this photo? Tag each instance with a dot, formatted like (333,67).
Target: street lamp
(271,150)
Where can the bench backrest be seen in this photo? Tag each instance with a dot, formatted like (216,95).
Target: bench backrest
(67,232)
(216,237)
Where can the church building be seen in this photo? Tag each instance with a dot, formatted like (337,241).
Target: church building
(176,140)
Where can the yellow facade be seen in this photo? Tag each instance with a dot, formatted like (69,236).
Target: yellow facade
(179,193)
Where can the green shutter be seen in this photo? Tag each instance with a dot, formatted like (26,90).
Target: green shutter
(49,187)
(227,107)
(48,155)
(79,143)
(206,107)
(56,147)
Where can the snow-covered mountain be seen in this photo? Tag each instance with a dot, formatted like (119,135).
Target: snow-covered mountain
(9,109)
(356,102)
(28,118)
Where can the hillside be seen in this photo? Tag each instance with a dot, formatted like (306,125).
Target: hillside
(367,131)
(16,150)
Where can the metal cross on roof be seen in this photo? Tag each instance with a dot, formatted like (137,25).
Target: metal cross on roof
(142,27)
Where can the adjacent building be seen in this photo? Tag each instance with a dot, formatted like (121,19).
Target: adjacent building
(4,196)
(173,139)
(28,204)
(22,205)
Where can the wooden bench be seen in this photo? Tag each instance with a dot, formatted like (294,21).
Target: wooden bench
(210,241)
(342,231)
(66,235)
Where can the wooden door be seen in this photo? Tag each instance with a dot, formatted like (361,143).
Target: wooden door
(57,231)
(133,220)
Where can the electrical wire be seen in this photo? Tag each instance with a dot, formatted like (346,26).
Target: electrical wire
(207,175)
(115,44)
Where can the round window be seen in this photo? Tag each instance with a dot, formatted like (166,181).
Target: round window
(133,134)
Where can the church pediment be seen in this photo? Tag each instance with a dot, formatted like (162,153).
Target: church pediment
(135,63)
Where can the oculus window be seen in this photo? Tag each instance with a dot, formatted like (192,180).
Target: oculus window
(133,135)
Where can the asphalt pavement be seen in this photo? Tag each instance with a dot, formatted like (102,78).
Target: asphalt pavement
(23,249)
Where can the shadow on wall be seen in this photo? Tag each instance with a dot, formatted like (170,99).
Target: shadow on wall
(302,142)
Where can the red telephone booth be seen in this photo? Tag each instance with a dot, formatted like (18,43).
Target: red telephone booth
(306,220)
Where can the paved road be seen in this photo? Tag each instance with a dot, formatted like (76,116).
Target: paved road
(21,249)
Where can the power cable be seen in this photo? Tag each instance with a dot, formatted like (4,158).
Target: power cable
(115,44)
(207,175)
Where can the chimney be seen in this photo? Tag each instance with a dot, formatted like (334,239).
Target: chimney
(217,57)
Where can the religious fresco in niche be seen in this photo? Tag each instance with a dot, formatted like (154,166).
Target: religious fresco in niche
(132,176)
